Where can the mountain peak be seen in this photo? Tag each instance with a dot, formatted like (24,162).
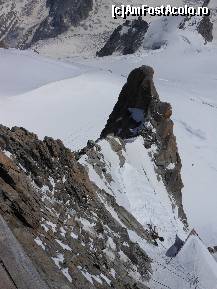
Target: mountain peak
(140,112)
(133,104)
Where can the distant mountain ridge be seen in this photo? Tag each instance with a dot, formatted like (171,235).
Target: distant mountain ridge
(81,23)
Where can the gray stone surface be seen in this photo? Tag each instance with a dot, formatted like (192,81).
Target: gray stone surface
(5,280)
(17,263)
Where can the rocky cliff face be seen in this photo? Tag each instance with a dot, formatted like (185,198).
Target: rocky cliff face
(205,28)
(74,233)
(139,112)
(126,38)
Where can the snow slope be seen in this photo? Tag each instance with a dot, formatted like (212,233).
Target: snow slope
(70,102)
(193,267)
(136,187)
(24,71)
(195,258)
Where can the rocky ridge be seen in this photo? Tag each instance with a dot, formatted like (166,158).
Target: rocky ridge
(65,224)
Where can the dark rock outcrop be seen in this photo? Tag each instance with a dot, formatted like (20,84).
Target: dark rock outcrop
(139,112)
(205,28)
(64,222)
(126,38)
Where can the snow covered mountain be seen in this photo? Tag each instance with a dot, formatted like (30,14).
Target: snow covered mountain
(24,22)
(74,28)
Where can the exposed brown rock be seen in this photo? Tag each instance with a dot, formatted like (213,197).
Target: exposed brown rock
(19,201)
(58,215)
